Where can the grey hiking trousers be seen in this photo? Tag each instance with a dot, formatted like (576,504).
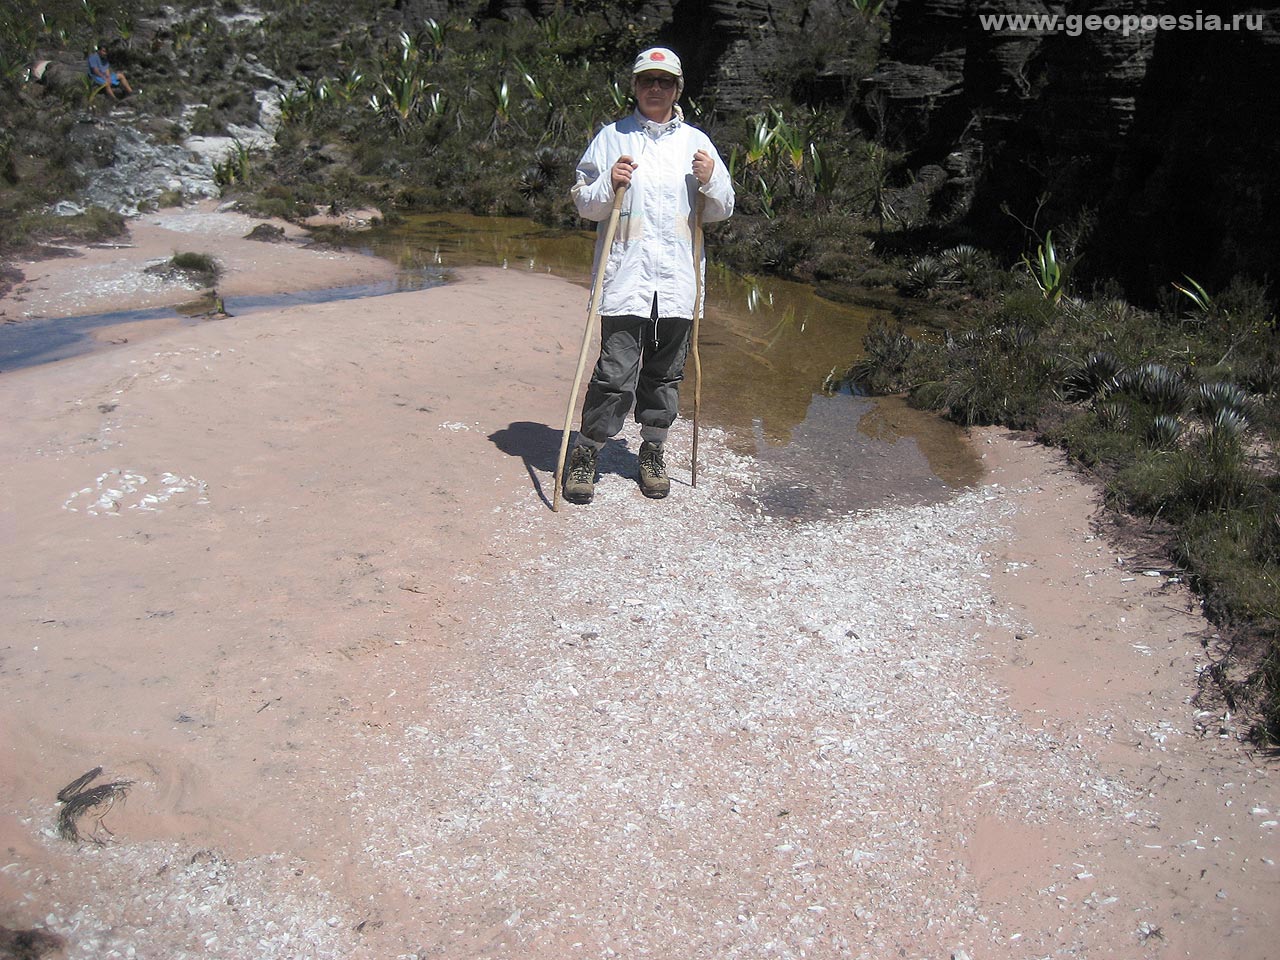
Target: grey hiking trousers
(641,363)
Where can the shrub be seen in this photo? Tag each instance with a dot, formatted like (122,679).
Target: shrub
(924,276)
(1094,440)
(881,371)
(1158,387)
(1267,680)
(1098,374)
(1216,472)
(992,387)
(1267,546)
(1023,305)
(196,268)
(1147,484)
(1217,545)
(1163,432)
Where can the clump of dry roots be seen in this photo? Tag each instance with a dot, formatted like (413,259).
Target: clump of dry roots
(78,800)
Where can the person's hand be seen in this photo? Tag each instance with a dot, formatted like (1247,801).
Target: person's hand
(703,166)
(621,172)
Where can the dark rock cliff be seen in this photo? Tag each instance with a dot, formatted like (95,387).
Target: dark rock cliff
(1154,149)
(1156,139)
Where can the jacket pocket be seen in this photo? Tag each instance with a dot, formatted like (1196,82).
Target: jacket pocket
(614,261)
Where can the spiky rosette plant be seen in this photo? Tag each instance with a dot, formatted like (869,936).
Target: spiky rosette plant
(1112,415)
(965,260)
(1211,399)
(1227,424)
(966,341)
(925,275)
(1098,375)
(1163,432)
(1158,387)
(1016,337)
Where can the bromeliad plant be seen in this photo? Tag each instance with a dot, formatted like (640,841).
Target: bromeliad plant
(868,9)
(790,140)
(235,167)
(1198,296)
(766,198)
(402,93)
(760,134)
(1047,271)
(827,175)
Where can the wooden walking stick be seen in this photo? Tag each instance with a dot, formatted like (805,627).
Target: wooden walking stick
(697,317)
(593,317)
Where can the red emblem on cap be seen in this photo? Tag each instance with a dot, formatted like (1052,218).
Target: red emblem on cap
(657,56)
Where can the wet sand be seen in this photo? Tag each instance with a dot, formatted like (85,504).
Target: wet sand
(294,575)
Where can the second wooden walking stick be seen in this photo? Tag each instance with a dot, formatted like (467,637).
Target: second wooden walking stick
(697,316)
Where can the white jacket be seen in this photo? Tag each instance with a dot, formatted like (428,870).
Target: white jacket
(653,246)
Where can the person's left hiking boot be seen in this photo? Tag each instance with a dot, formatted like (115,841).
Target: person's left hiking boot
(654,482)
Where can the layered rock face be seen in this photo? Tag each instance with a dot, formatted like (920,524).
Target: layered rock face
(1155,136)
(1157,132)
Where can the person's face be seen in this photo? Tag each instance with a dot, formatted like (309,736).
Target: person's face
(656,92)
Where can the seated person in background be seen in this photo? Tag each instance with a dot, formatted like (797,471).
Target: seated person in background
(100,72)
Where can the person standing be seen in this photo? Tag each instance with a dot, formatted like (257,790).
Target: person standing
(647,302)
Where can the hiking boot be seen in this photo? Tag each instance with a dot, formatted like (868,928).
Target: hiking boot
(654,482)
(580,480)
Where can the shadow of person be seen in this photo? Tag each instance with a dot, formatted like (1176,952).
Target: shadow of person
(537,445)
(618,458)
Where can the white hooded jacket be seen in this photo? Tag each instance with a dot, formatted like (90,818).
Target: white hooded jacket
(653,247)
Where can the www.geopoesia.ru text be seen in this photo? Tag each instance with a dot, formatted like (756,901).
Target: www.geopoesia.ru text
(1075,24)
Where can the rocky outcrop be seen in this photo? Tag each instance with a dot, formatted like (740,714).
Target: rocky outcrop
(1155,137)
(1197,183)
(1149,135)
(1153,131)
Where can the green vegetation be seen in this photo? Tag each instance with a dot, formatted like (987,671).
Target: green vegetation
(487,115)
(1175,414)
(199,269)
(34,228)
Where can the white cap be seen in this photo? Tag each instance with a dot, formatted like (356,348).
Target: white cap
(658,58)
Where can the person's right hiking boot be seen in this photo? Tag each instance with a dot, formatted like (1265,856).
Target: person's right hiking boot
(580,480)
(654,482)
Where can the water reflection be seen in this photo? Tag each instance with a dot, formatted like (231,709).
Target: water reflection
(767,346)
(852,453)
(460,240)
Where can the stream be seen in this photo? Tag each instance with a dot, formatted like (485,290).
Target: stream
(767,347)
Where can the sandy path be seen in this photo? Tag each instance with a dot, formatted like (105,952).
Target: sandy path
(292,573)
